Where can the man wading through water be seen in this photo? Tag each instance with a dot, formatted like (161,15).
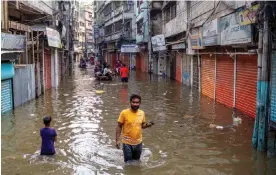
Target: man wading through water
(130,123)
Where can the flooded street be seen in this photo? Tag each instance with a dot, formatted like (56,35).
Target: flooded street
(180,142)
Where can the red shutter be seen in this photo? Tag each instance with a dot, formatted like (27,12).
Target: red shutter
(225,80)
(246,84)
(138,61)
(208,75)
(178,67)
(47,69)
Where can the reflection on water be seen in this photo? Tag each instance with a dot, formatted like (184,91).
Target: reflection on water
(180,142)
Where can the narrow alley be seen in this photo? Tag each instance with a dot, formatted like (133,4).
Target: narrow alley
(181,141)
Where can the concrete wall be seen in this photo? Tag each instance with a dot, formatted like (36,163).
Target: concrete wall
(179,23)
(24,84)
(139,15)
(42,6)
(203,10)
(54,68)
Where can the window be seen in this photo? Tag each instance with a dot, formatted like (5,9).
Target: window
(90,15)
(140,27)
(118,26)
(89,23)
(170,12)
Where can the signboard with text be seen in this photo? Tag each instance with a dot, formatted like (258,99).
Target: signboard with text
(10,41)
(129,48)
(158,43)
(210,33)
(53,37)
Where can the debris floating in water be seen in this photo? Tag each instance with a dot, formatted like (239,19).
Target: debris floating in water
(212,125)
(32,115)
(169,131)
(237,121)
(188,117)
(65,95)
(175,121)
(99,91)
(216,126)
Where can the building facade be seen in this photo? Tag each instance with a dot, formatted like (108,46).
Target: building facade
(116,25)
(35,49)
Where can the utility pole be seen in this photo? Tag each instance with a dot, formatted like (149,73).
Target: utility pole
(260,134)
(149,43)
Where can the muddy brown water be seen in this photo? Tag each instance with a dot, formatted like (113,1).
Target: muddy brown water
(86,123)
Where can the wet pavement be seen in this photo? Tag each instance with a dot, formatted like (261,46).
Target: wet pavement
(180,142)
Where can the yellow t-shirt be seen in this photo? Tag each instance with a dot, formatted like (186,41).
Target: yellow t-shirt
(132,126)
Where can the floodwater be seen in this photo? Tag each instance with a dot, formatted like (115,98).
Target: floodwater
(180,142)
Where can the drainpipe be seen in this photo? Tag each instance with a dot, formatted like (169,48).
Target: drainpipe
(199,71)
(235,79)
(215,81)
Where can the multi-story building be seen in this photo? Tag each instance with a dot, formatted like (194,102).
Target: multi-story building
(89,31)
(116,25)
(34,47)
(142,35)
(81,36)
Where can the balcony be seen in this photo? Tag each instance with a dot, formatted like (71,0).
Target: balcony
(156,5)
(44,7)
(113,36)
(118,18)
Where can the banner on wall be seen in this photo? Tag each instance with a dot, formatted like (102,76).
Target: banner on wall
(236,28)
(210,33)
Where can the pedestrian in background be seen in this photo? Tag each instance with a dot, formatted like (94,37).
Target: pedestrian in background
(124,73)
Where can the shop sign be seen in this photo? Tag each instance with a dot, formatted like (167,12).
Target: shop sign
(233,32)
(158,43)
(10,41)
(196,38)
(210,33)
(129,48)
(178,46)
(53,37)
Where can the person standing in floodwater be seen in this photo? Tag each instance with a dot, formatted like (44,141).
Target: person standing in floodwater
(124,73)
(49,136)
(130,123)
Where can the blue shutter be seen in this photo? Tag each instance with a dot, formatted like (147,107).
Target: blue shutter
(273,90)
(6,96)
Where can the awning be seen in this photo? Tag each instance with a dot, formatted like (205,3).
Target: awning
(7,71)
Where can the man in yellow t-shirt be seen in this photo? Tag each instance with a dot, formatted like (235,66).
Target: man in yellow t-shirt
(130,123)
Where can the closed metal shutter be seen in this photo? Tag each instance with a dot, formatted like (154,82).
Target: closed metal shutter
(195,73)
(246,84)
(273,90)
(47,69)
(208,75)
(225,80)
(138,61)
(6,96)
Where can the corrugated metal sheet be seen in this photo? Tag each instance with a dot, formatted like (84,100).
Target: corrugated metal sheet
(178,76)
(195,73)
(208,75)
(186,70)
(6,96)
(47,69)
(24,84)
(225,80)
(273,90)
(246,84)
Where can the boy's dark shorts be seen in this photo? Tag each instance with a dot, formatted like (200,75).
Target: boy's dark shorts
(132,152)
(124,79)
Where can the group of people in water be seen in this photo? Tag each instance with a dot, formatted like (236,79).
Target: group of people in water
(105,70)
